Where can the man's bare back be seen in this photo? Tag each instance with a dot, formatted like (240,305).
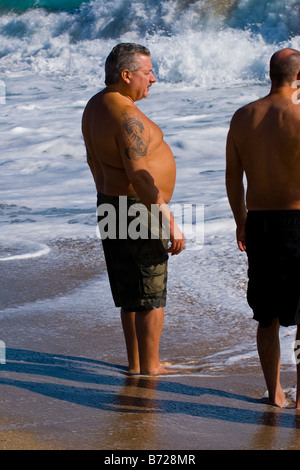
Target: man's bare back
(265,136)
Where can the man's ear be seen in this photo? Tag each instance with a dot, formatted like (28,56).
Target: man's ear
(126,75)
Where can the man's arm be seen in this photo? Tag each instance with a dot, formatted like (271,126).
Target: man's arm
(133,141)
(235,190)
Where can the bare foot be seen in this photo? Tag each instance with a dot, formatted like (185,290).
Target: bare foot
(280,402)
(166,363)
(160,370)
(280,399)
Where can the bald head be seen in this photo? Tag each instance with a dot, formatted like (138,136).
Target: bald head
(284,66)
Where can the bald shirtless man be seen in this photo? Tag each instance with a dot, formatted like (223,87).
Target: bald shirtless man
(128,157)
(264,143)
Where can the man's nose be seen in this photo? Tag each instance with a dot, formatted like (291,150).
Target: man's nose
(152,78)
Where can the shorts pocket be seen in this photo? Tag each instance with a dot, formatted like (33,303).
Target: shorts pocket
(154,278)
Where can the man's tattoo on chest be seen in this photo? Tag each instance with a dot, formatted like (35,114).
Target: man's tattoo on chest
(134,129)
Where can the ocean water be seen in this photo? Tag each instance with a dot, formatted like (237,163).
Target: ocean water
(210,58)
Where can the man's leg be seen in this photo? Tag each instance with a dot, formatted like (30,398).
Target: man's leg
(149,325)
(128,323)
(268,346)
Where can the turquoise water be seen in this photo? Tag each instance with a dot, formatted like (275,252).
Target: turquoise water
(53,5)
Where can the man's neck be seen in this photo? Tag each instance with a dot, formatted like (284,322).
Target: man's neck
(285,91)
(118,89)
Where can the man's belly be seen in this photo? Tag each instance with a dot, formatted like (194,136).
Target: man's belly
(115,182)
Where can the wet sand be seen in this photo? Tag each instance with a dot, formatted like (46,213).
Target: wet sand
(104,410)
(64,384)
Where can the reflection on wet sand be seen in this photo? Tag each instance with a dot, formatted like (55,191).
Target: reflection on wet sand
(135,424)
(268,436)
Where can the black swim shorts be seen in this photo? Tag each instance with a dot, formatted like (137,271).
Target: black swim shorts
(137,267)
(273,250)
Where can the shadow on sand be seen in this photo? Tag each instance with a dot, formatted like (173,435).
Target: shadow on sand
(106,386)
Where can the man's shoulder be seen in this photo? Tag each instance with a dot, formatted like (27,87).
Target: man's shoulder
(248,110)
(252,105)
(115,107)
(132,112)
(92,103)
(120,106)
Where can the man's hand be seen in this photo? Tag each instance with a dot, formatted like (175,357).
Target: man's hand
(241,237)
(176,239)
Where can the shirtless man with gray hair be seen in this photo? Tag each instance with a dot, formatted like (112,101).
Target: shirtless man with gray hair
(264,144)
(129,158)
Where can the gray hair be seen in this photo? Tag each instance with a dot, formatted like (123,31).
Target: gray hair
(123,56)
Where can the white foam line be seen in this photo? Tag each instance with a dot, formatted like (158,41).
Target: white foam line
(42,252)
(169,376)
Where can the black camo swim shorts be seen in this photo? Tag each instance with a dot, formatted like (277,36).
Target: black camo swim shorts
(273,250)
(137,267)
